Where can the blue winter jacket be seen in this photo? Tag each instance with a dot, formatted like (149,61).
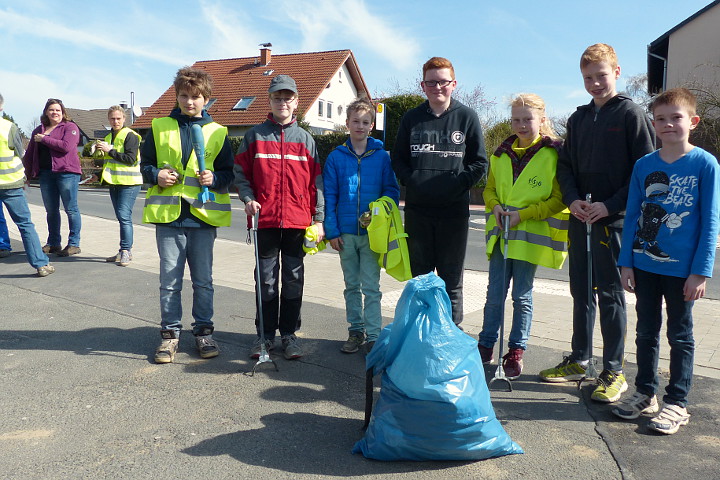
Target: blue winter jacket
(351,182)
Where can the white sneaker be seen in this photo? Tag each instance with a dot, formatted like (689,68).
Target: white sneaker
(670,419)
(638,404)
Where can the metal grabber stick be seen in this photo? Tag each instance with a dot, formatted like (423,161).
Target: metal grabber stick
(590,372)
(264,355)
(500,371)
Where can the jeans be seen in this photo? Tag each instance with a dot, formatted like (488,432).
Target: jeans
(439,244)
(4,235)
(650,289)
(362,279)
(522,274)
(605,244)
(17,206)
(176,246)
(123,198)
(56,186)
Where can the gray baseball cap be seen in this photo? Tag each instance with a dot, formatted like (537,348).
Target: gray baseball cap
(282,82)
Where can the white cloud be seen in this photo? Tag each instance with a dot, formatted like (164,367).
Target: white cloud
(231,35)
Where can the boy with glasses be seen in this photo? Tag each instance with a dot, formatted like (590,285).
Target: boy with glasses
(439,155)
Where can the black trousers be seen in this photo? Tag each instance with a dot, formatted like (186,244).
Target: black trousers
(439,244)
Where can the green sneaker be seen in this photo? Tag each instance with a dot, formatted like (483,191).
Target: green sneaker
(610,385)
(353,343)
(567,371)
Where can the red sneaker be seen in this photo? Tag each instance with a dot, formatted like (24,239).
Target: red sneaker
(512,363)
(486,354)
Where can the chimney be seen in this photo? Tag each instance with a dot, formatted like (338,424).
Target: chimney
(265,54)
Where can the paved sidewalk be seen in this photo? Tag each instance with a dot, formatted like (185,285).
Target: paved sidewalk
(81,397)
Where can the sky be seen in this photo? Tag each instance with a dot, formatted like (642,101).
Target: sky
(94,54)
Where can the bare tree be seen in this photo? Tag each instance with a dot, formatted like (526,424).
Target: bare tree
(33,124)
(636,87)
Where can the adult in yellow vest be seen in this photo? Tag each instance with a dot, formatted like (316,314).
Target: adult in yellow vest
(521,185)
(121,172)
(12,195)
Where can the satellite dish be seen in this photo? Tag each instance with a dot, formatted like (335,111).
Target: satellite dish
(137,110)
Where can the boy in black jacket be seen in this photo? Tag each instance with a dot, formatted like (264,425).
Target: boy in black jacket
(604,140)
(439,155)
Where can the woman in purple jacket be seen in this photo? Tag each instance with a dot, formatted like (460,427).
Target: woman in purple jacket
(52,155)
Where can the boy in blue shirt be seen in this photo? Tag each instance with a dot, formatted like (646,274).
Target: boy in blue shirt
(356,173)
(668,251)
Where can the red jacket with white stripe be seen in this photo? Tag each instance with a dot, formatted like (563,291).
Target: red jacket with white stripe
(276,166)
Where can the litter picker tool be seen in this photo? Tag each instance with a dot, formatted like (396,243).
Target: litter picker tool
(198,142)
(500,371)
(590,372)
(264,355)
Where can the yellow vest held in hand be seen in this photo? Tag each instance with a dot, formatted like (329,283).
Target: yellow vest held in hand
(387,237)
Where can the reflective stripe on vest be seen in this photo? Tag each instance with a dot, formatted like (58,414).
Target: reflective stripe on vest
(11,167)
(388,238)
(541,242)
(116,173)
(162,205)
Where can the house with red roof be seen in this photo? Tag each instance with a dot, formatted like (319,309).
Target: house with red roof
(327,82)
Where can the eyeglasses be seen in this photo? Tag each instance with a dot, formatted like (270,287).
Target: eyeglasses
(437,83)
(280,100)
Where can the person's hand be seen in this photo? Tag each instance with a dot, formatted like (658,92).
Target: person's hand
(596,211)
(578,209)
(694,288)
(336,244)
(321,231)
(206,178)
(627,278)
(38,137)
(497,213)
(104,146)
(252,207)
(514,218)
(167,177)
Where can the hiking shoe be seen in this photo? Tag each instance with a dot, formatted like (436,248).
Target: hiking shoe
(255,350)
(125,258)
(45,270)
(52,249)
(512,363)
(165,353)
(610,385)
(114,259)
(486,354)
(4,253)
(670,419)
(566,371)
(207,347)
(69,250)
(290,347)
(353,343)
(638,404)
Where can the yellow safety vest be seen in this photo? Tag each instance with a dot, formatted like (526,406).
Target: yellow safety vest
(387,237)
(542,242)
(11,167)
(116,173)
(162,205)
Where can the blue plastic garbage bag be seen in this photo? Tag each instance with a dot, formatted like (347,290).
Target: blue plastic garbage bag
(434,403)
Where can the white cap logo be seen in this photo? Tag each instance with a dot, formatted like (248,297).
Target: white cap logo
(457,137)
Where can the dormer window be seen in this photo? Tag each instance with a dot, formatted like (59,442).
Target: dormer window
(243,103)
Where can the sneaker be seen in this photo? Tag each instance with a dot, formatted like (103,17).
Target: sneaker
(638,245)
(4,253)
(255,350)
(610,385)
(656,253)
(69,250)
(45,270)
(165,353)
(670,419)
(486,354)
(290,347)
(638,404)
(114,259)
(512,363)
(125,258)
(353,343)
(52,249)
(567,371)
(207,347)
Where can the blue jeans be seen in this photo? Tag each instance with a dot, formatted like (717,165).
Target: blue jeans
(523,275)
(56,186)
(4,235)
(176,246)
(17,206)
(123,198)
(650,289)
(362,279)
